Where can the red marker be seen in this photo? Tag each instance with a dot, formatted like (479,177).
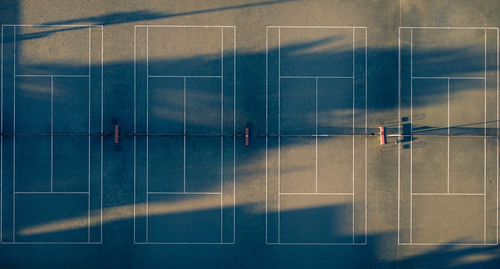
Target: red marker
(247,136)
(117,134)
(382,135)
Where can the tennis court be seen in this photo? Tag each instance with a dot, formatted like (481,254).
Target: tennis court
(448,189)
(184,119)
(51,126)
(313,159)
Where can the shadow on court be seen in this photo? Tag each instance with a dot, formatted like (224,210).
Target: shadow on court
(184,217)
(130,17)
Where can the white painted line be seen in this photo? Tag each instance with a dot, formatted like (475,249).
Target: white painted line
(162,76)
(445,194)
(14,148)
(353,121)
(222,138)
(183,243)
(316,160)
(498,126)
(135,127)
(184,160)
(1,139)
(448,28)
(399,131)
(316,77)
(267,125)
(52,25)
(366,138)
(51,192)
(411,131)
(366,191)
(147,132)
(448,78)
(102,124)
(445,244)
(185,26)
(234,133)
(279,133)
(182,193)
(319,244)
(51,134)
(53,243)
(58,75)
(485,119)
(319,27)
(89,103)
(448,149)
(318,193)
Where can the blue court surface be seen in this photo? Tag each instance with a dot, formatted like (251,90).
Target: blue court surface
(246,134)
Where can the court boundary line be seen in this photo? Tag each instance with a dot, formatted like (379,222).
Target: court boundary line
(52,192)
(498,123)
(183,243)
(234,132)
(316,138)
(446,193)
(353,123)
(14,144)
(1,137)
(14,192)
(184,77)
(399,128)
(448,244)
(83,26)
(183,193)
(48,75)
(450,27)
(366,138)
(179,76)
(89,121)
(318,193)
(448,78)
(317,244)
(317,77)
(222,137)
(52,243)
(267,128)
(448,147)
(279,131)
(147,133)
(316,27)
(484,139)
(102,129)
(183,26)
(135,131)
(411,131)
(184,138)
